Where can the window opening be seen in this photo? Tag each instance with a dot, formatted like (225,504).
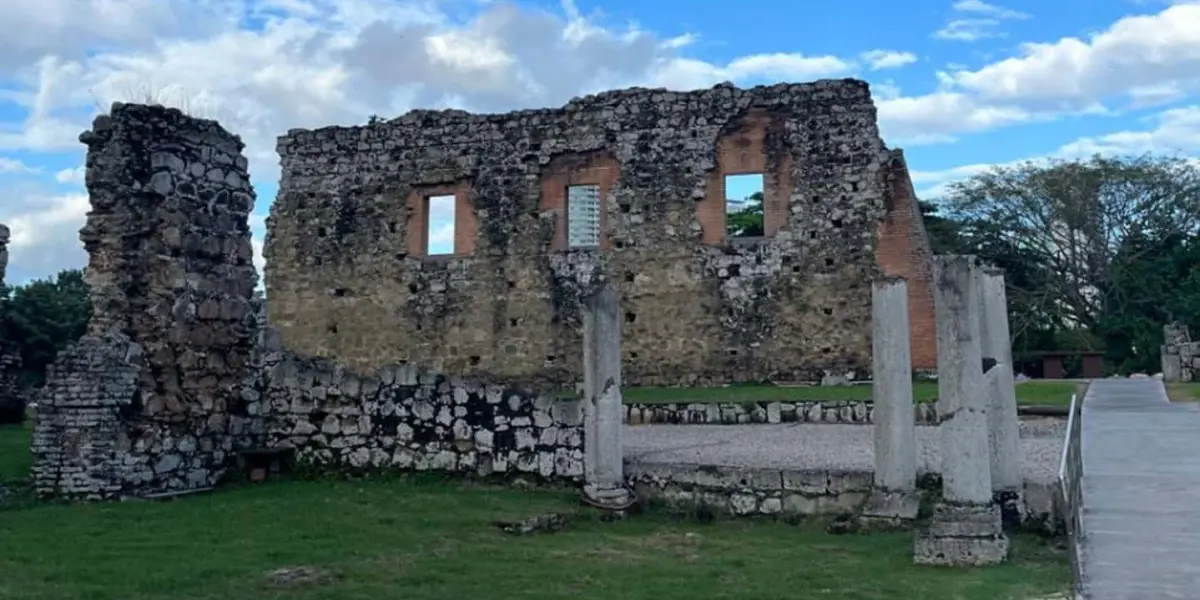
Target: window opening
(583,216)
(744,205)
(439,225)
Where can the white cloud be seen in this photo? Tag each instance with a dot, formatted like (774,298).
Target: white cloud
(69,28)
(1138,61)
(939,117)
(12,165)
(73,175)
(1174,132)
(1140,53)
(45,231)
(986,24)
(887,59)
(992,10)
(968,30)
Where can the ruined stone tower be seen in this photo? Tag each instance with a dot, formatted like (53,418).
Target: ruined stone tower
(148,401)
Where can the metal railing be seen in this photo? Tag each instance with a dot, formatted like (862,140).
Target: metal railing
(1070,485)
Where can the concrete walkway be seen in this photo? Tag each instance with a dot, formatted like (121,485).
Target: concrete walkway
(1141,493)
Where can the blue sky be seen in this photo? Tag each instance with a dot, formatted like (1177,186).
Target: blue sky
(959,84)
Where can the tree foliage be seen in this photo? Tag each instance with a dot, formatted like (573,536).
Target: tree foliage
(1097,253)
(43,317)
(747,222)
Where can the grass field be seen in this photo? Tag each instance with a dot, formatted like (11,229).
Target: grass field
(434,540)
(1184,392)
(14,452)
(1042,393)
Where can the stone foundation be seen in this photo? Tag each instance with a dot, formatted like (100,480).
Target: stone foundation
(745,491)
(406,417)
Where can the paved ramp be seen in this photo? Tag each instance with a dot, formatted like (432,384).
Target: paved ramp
(1141,493)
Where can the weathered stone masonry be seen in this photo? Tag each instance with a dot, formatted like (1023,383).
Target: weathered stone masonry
(1180,355)
(179,370)
(149,400)
(348,276)
(408,417)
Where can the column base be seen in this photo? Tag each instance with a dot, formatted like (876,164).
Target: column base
(962,535)
(611,498)
(889,509)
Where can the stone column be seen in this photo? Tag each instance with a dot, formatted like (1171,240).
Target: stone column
(1004,438)
(965,528)
(604,476)
(894,500)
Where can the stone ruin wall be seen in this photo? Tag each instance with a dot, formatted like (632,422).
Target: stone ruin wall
(379,357)
(178,371)
(412,418)
(904,251)
(1180,355)
(348,276)
(12,401)
(148,401)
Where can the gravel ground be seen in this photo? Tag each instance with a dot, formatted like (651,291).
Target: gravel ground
(818,446)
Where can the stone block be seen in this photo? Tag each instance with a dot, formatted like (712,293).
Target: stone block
(962,535)
(890,509)
(929,549)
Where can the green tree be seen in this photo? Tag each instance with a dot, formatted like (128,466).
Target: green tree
(1031,326)
(945,234)
(747,222)
(1081,244)
(43,317)
(1154,281)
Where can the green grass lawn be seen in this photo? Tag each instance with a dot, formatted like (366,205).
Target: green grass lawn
(1184,392)
(14,452)
(424,541)
(1044,393)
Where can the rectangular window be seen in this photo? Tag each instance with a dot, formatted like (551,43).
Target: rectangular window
(439,225)
(744,205)
(583,216)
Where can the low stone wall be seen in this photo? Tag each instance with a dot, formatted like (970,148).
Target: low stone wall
(743,491)
(406,417)
(733,413)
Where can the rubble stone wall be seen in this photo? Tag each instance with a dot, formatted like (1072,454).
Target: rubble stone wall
(349,276)
(1180,355)
(149,399)
(748,491)
(411,418)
